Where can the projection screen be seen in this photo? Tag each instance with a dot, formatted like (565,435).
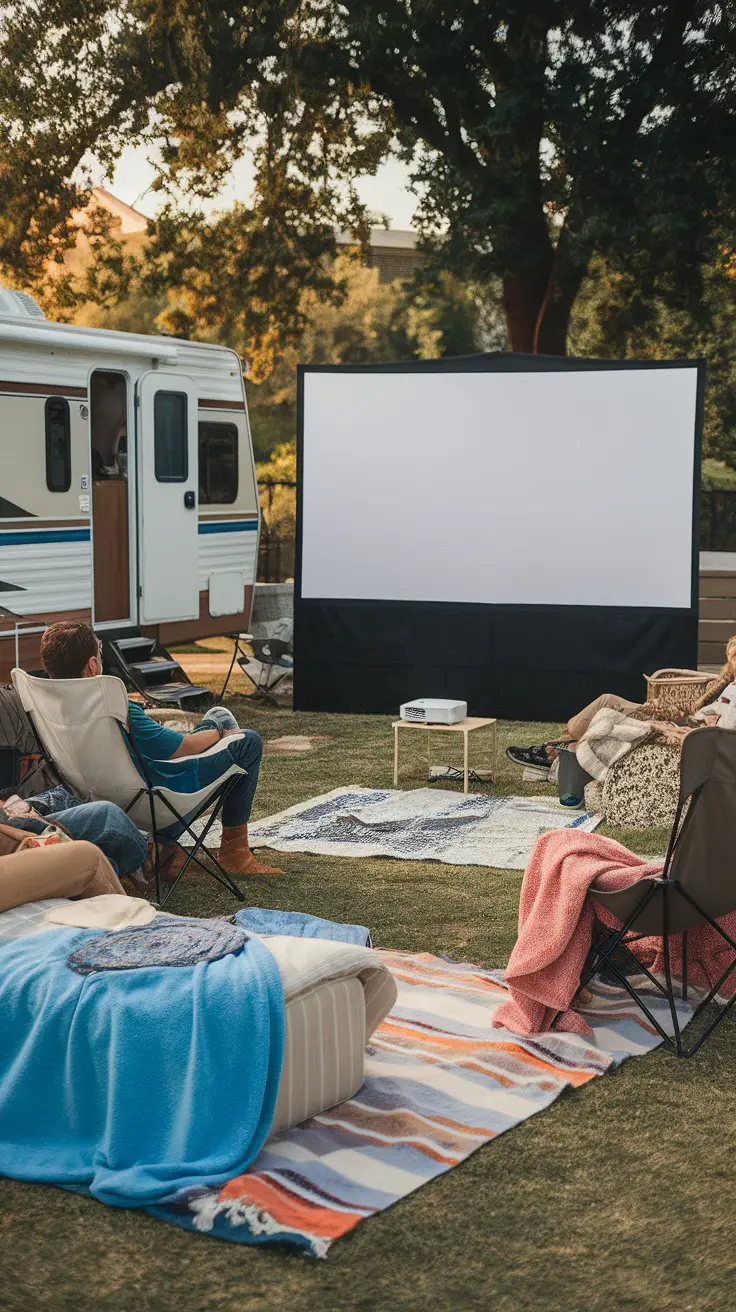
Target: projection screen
(563,487)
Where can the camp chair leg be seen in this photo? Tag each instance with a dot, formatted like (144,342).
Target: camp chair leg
(684,965)
(636,997)
(220,874)
(707,1032)
(236,649)
(668,970)
(604,951)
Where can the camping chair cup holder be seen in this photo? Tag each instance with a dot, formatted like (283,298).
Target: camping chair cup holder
(697,887)
(78,724)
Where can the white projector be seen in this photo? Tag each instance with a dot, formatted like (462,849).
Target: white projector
(434,710)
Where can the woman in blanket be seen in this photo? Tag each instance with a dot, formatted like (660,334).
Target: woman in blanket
(717,706)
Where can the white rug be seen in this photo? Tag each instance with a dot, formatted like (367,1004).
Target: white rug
(424,824)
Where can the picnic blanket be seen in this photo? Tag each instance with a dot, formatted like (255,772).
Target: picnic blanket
(440,1083)
(422,824)
(556,926)
(92,1098)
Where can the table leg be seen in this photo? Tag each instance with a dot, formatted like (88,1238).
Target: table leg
(494,761)
(465,760)
(429,754)
(396,756)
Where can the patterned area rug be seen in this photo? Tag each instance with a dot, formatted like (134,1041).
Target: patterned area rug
(440,1083)
(424,824)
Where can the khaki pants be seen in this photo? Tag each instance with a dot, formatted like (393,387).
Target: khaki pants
(61,870)
(577,726)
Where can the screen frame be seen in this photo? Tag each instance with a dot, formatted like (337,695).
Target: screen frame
(502,362)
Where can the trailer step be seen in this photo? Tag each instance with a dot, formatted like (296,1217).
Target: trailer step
(146,667)
(178,693)
(152,669)
(136,643)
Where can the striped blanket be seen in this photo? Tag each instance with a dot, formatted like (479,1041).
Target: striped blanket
(440,1082)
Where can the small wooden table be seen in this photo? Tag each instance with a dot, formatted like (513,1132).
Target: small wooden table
(465,727)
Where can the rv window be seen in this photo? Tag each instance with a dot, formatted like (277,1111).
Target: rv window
(58,445)
(170,441)
(218,464)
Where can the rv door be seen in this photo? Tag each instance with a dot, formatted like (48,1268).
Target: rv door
(168,571)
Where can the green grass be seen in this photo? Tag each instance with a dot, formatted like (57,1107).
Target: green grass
(619,1196)
(717,474)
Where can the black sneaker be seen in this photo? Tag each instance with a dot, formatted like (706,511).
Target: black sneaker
(534,758)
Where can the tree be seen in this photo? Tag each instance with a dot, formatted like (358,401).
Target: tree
(542,135)
(546,134)
(204,84)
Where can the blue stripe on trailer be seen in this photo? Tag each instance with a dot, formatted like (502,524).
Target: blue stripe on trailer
(29,537)
(229,526)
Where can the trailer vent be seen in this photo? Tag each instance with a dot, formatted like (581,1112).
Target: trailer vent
(19,305)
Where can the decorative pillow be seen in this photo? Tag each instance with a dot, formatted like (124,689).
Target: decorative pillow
(642,788)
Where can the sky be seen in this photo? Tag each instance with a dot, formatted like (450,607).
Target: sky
(385,194)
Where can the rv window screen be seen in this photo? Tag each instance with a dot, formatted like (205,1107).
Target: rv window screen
(218,464)
(170,440)
(58,445)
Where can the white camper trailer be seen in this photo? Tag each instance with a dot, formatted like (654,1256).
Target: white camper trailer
(128,494)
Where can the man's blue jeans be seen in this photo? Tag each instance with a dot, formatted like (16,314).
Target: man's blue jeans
(245,752)
(102,823)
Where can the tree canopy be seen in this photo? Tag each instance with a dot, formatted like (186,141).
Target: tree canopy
(542,137)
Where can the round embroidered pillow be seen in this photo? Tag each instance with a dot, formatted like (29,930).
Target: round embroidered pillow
(165,942)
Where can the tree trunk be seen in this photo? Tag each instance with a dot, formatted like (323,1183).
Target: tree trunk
(523,296)
(539,301)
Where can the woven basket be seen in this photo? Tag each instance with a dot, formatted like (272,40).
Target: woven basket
(676,690)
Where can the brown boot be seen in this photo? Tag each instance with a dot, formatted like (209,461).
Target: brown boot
(236,857)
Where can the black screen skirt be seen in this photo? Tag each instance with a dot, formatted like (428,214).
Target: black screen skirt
(525,663)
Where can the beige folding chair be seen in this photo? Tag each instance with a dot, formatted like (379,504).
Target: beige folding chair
(78,723)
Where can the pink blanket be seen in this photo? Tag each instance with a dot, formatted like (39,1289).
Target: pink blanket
(556,926)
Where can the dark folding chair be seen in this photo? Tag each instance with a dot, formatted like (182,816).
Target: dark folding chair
(697,885)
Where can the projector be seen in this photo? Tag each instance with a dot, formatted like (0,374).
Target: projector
(434,710)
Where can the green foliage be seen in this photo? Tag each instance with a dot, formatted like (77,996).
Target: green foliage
(542,137)
(270,425)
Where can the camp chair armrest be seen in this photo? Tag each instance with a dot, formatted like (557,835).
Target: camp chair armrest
(220,746)
(270,650)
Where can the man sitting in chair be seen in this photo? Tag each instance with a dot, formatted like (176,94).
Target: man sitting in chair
(71,650)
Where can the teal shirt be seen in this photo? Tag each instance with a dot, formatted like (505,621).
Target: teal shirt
(155,744)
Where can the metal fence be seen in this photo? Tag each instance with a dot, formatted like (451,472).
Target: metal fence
(717,520)
(276,552)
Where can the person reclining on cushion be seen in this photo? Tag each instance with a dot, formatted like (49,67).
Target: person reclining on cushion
(71,650)
(542,755)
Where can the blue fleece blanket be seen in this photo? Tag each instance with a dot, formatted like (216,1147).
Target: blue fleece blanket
(133,1084)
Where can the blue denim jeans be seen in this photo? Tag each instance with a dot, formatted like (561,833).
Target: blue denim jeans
(102,823)
(245,752)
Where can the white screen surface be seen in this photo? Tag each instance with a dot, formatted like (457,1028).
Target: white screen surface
(569,488)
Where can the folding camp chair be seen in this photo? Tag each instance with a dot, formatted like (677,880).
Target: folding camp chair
(266,652)
(78,722)
(697,885)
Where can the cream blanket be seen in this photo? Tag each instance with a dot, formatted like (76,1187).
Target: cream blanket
(610,735)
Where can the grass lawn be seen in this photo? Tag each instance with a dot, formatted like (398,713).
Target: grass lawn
(617,1197)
